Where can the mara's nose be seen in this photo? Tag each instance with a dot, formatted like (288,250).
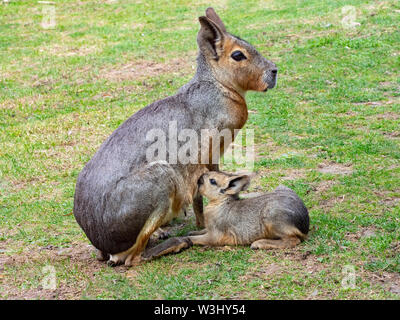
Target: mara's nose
(274,71)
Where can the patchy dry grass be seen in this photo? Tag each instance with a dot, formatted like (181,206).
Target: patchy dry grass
(330,131)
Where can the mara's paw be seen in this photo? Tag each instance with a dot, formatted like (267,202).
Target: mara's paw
(101,256)
(259,244)
(114,263)
(116,259)
(133,260)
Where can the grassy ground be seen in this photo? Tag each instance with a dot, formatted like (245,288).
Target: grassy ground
(330,130)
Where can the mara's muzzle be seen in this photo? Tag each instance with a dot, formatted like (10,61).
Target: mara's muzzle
(270,78)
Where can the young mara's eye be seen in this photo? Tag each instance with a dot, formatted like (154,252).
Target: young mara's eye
(238,55)
(212,181)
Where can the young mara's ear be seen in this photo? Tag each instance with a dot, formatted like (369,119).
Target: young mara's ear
(237,184)
(210,38)
(212,15)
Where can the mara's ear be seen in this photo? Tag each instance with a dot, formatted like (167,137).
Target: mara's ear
(237,184)
(212,15)
(210,38)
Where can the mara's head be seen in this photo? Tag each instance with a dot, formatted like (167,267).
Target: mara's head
(234,62)
(219,185)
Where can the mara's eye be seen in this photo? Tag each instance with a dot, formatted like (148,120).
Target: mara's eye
(212,181)
(238,55)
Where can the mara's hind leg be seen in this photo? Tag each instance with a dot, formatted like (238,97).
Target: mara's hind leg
(152,224)
(141,203)
(155,220)
(289,242)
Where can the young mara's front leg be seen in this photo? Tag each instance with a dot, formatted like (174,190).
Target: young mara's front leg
(175,245)
(283,243)
(172,245)
(202,240)
(197,232)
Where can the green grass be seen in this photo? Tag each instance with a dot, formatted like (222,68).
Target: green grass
(337,104)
